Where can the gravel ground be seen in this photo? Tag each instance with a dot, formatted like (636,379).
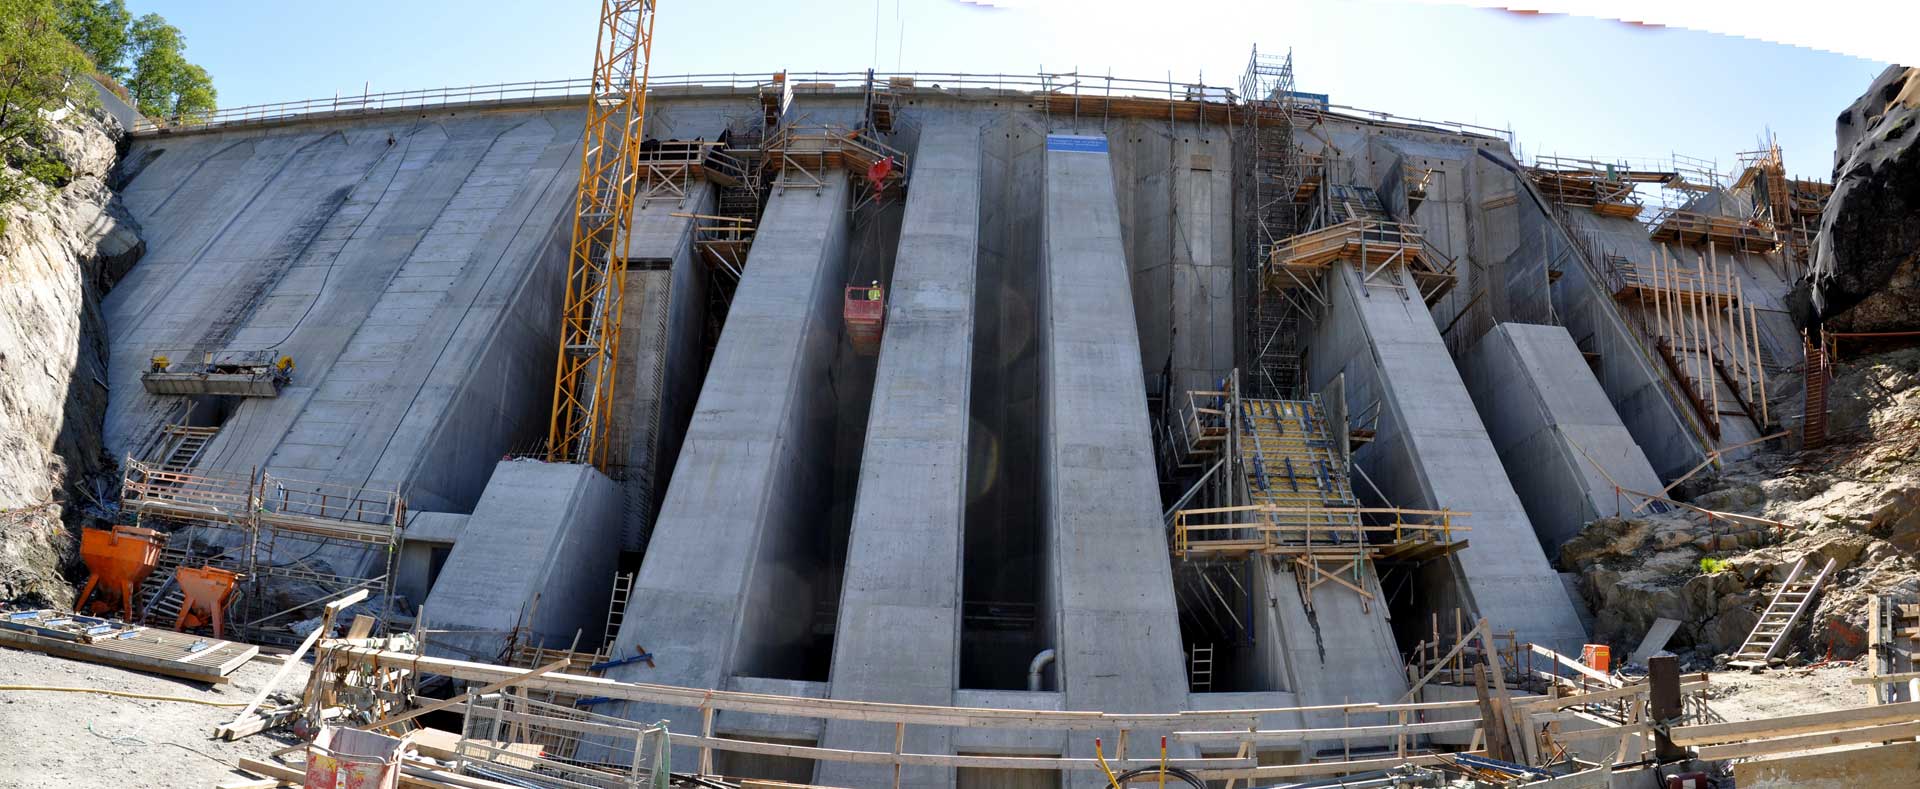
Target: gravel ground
(88,740)
(1740,695)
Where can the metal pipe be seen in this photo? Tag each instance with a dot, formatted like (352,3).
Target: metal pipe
(1038,665)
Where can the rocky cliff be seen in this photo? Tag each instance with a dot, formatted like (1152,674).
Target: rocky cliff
(1866,270)
(61,250)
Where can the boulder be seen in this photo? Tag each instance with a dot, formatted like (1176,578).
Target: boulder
(1864,276)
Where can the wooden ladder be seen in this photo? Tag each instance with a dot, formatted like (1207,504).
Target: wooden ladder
(1200,667)
(1783,612)
(1813,430)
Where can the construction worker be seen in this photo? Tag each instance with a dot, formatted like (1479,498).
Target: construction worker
(873,291)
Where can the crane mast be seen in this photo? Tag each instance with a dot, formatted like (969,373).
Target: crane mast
(584,373)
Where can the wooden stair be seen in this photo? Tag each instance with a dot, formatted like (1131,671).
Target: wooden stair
(1789,604)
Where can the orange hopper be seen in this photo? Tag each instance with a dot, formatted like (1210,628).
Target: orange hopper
(119,560)
(206,590)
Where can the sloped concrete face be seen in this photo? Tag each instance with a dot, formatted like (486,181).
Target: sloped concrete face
(1562,445)
(898,634)
(408,264)
(538,544)
(1111,586)
(724,588)
(1430,451)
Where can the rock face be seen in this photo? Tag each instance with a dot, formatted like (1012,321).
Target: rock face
(1857,503)
(60,252)
(1866,269)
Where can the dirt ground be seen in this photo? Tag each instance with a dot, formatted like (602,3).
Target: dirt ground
(89,741)
(1740,695)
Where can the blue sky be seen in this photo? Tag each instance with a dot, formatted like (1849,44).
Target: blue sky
(1565,85)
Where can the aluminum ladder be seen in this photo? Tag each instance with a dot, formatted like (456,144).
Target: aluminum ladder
(1200,668)
(1789,604)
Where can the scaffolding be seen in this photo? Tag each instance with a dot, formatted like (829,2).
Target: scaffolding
(1279,486)
(1694,316)
(276,527)
(1275,182)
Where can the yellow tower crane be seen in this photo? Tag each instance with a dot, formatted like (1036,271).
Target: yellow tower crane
(603,216)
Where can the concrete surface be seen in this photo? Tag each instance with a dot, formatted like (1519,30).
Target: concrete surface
(726,587)
(898,632)
(538,543)
(1430,451)
(1108,573)
(664,317)
(1563,446)
(406,280)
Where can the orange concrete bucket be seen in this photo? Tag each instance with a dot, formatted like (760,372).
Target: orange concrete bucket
(206,590)
(119,559)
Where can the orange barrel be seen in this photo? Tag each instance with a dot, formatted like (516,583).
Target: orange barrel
(206,590)
(118,560)
(1596,656)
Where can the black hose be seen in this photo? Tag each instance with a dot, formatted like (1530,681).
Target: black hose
(1170,771)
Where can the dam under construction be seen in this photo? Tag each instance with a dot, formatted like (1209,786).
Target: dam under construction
(997,400)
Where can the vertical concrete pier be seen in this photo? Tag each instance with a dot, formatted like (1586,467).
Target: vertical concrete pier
(724,589)
(898,636)
(1562,444)
(538,539)
(1430,451)
(1111,586)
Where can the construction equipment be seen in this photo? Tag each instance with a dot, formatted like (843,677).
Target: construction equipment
(255,373)
(1792,601)
(865,312)
(119,560)
(206,591)
(603,217)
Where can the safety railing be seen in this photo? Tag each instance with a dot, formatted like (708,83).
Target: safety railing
(749,84)
(1372,241)
(237,499)
(1291,530)
(147,487)
(505,720)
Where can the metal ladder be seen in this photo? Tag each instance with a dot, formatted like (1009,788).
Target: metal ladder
(160,597)
(617,607)
(186,446)
(1813,430)
(1783,612)
(1200,667)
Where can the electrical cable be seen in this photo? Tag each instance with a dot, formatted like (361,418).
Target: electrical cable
(1168,770)
(122,694)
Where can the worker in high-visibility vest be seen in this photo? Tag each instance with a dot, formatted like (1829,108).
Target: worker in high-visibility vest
(873,291)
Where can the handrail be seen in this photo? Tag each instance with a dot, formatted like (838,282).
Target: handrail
(1060,83)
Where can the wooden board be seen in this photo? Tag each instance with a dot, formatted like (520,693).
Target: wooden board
(1657,637)
(151,650)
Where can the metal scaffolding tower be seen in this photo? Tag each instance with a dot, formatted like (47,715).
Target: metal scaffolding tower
(1270,211)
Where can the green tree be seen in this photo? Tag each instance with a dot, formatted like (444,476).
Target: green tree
(164,85)
(41,72)
(99,28)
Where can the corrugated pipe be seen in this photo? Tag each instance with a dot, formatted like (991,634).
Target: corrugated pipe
(1035,668)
